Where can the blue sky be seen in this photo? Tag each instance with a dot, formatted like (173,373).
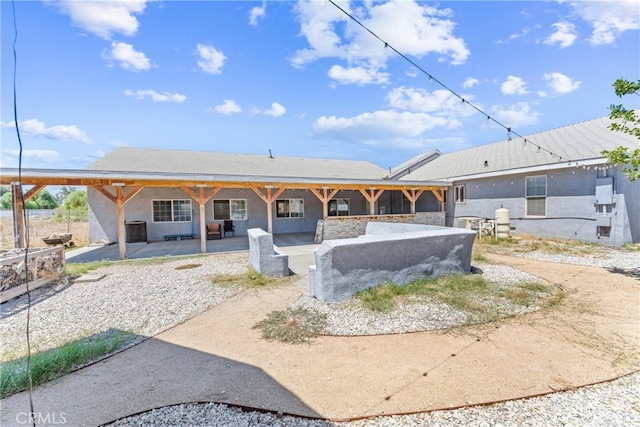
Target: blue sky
(301,78)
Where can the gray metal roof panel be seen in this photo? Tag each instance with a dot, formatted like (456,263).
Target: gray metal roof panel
(134,159)
(578,142)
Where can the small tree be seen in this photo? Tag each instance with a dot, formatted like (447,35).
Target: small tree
(42,200)
(628,122)
(75,206)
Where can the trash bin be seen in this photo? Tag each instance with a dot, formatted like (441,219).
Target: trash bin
(136,231)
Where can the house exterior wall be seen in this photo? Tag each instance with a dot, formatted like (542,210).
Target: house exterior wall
(570,205)
(103,224)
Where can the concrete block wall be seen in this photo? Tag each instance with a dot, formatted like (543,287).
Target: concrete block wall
(344,227)
(399,253)
(264,256)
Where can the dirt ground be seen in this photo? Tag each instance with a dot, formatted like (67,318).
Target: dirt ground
(40,227)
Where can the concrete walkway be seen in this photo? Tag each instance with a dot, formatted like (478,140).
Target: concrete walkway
(217,356)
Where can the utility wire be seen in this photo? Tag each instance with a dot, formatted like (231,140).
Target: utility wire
(24,215)
(510,131)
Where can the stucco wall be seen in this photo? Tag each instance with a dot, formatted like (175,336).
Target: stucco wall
(103,224)
(570,205)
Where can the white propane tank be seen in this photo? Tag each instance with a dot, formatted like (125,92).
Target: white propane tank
(503,223)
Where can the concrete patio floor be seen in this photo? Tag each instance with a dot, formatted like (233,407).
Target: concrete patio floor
(183,247)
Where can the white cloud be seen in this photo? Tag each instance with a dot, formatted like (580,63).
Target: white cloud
(228,106)
(257,12)
(210,59)
(357,75)
(127,56)
(47,156)
(441,102)
(276,110)
(104,18)
(560,83)
(155,96)
(514,86)
(565,34)
(409,27)
(515,36)
(36,127)
(609,19)
(377,126)
(469,82)
(516,115)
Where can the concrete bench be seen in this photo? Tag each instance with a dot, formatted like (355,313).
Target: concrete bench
(389,252)
(265,257)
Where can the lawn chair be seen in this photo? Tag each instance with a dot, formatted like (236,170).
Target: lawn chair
(213,230)
(229,228)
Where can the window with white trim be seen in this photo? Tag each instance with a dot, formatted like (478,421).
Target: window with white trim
(290,208)
(536,195)
(230,209)
(460,195)
(338,207)
(171,210)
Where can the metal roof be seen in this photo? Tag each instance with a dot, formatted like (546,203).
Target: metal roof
(581,142)
(134,159)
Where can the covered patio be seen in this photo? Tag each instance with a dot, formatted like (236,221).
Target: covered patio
(120,187)
(163,248)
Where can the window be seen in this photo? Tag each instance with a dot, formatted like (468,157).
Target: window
(172,211)
(290,208)
(536,195)
(459,193)
(338,207)
(230,209)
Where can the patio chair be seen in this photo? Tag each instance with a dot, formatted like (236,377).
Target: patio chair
(229,228)
(213,231)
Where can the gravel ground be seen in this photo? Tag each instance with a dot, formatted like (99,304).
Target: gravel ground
(144,299)
(616,403)
(151,298)
(350,317)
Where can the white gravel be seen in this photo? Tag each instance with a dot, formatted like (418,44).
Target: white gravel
(612,404)
(150,298)
(143,299)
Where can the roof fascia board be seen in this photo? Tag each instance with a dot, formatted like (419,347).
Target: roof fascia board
(538,168)
(11,174)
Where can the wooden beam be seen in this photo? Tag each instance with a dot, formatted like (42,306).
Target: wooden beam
(439,193)
(17,206)
(19,234)
(324,198)
(372,196)
(201,198)
(412,197)
(269,199)
(29,194)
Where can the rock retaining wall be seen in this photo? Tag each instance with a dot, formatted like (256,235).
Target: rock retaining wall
(343,227)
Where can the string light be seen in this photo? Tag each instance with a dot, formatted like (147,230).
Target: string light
(432,78)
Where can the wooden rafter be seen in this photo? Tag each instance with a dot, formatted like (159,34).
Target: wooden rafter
(324,198)
(372,195)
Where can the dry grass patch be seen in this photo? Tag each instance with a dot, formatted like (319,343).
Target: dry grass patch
(251,279)
(292,326)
